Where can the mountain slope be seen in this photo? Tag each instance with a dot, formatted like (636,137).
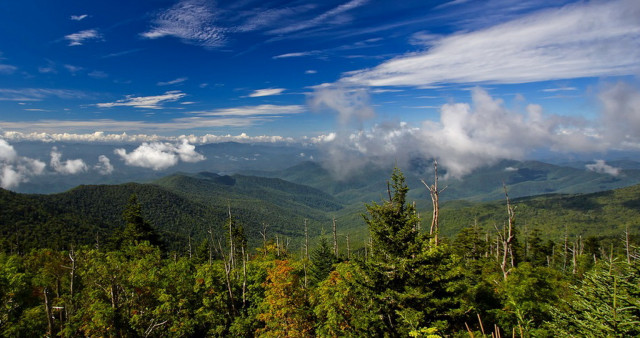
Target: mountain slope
(526,178)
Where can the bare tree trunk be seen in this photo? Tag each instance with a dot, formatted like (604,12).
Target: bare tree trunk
(306,240)
(264,238)
(231,247)
(211,245)
(244,278)
(227,275)
(435,200)
(335,238)
(566,248)
(507,238)
(47,308)
(348,249)
(626,243)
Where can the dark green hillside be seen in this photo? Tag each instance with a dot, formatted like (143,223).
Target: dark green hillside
(80,215)
(178,206)
(255,200)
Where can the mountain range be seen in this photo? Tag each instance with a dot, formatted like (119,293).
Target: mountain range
(186,207)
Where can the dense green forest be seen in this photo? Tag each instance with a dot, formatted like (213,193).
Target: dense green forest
(522,267)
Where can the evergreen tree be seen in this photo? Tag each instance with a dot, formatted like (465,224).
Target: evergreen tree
(136,229)
(322,259)
(411,279)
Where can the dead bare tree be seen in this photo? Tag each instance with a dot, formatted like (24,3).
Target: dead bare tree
(507,237)
(435,192)
(335,238)
(264,237)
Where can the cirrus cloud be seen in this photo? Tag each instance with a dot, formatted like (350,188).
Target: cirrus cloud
(600,38)
(149,102)
(191,21)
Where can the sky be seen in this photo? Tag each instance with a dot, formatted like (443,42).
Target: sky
(468,82)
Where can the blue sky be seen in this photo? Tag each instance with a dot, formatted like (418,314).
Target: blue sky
(374,75)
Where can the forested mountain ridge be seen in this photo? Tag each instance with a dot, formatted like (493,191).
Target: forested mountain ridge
(600,214)
(524,178)
(179,206)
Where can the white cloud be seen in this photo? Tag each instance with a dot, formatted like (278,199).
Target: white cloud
(579,40)
(322,19)
(77,39)
(15,169)
(351,104)
(38,94)
(160,156)
(7,69)
(68,167)
(192,21)
(267,92)
(98,74)
(73,69)
(149,102)
(260,110)
(138,138)
(466,136)
(603,168)
(621,115)
(310,71)
(79,17)
(559,89)
(104,166)
(172,82)
(295,55)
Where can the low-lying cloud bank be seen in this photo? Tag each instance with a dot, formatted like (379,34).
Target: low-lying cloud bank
(471,135)
(103,137)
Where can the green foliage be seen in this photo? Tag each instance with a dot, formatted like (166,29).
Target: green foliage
(405,284)
(605,303)
(322,259)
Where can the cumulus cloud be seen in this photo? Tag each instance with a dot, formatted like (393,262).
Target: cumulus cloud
(149,102)
(160,156)
(602,167)
(192,21)
(79,38)
(586,39)
(68,167)
(466,136)
(15,169)
(104,166)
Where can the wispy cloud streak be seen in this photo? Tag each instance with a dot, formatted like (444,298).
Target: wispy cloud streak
(580,40)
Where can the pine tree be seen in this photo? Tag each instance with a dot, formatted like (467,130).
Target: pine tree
(136,229)
(322,259)
(393,225)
